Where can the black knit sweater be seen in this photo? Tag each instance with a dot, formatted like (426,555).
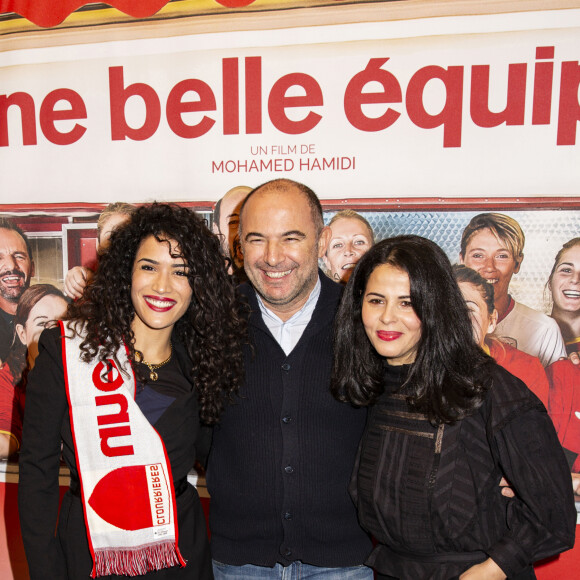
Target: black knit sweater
(283,454)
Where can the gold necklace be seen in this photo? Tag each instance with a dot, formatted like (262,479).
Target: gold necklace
(153,367)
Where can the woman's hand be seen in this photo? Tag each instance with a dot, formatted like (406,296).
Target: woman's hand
(75,281)
(506,490)
(487,570)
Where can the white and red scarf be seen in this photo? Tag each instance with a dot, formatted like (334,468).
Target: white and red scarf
(125,475)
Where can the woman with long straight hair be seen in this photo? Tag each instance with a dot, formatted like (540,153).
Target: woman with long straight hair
(445,424)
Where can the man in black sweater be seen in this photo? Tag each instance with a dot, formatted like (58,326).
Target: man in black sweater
(283,452)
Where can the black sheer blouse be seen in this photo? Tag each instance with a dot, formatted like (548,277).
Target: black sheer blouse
(430,494)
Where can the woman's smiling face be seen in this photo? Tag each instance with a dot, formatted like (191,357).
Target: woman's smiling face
(350,239)
(493,260)
(388,316)
(565,281)
(43,314)
(160,289)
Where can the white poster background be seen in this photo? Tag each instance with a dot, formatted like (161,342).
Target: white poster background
(401,161)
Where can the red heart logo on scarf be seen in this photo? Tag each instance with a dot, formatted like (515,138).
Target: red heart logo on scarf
(121,498)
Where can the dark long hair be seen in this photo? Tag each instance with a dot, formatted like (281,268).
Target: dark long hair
(447,381)
(212,329)
(16,358)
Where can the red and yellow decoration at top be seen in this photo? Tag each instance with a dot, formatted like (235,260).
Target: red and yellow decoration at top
(234,3)
(48,13)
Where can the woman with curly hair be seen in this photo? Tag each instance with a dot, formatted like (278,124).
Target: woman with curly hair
(445,424)
(150,353)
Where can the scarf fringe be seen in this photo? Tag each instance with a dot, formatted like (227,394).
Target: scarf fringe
(136,561)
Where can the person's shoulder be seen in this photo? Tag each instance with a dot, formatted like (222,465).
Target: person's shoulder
(522,311)
(183,359)
(52,334)
(6,378)
(248,300)
(5,319)
(51,340)
(513,354)
(328,301)
(329,289)
(562,368)
(508,390)
(508,396)
(246,290)
(504,380)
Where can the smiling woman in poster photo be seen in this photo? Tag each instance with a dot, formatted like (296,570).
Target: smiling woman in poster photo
(149,353)
(564,377)
(39,307)
(352,236)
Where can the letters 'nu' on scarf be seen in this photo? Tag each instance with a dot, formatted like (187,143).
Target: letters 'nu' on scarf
(125,475)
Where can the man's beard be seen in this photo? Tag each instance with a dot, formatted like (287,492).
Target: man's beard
(13,293)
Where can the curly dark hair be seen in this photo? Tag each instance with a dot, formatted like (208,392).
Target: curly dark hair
(449,378)
(212,329)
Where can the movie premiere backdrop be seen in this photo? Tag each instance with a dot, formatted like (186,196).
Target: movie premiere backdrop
(419,114)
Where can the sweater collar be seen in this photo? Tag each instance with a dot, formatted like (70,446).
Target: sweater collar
(330,293)
(396,371)
(394,376)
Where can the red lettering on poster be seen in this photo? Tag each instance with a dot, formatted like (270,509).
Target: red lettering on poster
(543,78)
(569,112)
(176,107)
(515,108)
(48,116)
(302,92)
(230,96)
(279,101)
(450,115)
(253,95)
(354,97)
(27,114)
(119,95)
